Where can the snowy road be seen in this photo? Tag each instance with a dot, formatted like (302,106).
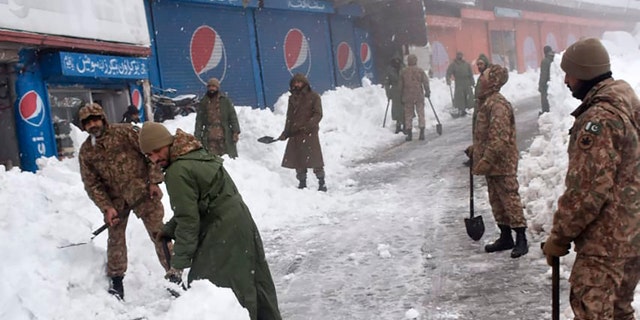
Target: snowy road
(409,249)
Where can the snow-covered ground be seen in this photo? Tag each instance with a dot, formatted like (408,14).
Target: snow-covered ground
(44,210)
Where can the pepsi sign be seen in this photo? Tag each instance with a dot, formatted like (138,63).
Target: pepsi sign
(346,61)
(208,54)
(365,56)
(136,99)
(31,108)
(297,55)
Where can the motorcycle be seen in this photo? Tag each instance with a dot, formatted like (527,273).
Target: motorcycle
(167,106)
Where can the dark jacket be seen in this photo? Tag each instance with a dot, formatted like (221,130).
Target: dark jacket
(545,72)
(304,113)
(214,232)
(229,122)
(393,90)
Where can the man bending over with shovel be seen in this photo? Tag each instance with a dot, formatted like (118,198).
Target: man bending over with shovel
(494,154)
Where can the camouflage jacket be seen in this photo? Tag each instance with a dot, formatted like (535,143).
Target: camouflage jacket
(414,83)
(494,138)
(114,170)
(600,208)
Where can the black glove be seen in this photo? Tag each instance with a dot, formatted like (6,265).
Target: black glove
(427,93)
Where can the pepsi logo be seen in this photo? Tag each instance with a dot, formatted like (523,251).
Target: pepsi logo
(136,98)
(208,55)
(345,57)
(297,55)
(31,108)
(365,55)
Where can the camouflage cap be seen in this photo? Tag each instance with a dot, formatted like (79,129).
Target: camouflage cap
(89,110)
(497,76)
(586,59)
(154,136)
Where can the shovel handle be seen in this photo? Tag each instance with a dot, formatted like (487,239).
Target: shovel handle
(555,286)
(471,188)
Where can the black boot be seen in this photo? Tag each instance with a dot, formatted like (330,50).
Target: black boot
(521,247)
(505,242)
(409,136)
(398,127)
(302,184)
(321,186)
(117,289)
(421,137)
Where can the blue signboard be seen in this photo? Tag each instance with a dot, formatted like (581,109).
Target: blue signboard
(101,66)
(290,43)
(203,42)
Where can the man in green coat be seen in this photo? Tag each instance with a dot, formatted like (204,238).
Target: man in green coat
(545,75)
(393,90)
(214,232)
(461,72)
(216,122)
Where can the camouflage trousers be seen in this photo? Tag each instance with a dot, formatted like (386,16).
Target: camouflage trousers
(409,113)
(505,201)
(151,212)
(602,288)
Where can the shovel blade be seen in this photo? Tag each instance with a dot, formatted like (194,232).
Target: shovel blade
(266,139)
(439,129)
(475,227)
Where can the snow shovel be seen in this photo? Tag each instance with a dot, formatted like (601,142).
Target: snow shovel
(474,225)
(555,286)
(439,125)
(267,139)
(105,226)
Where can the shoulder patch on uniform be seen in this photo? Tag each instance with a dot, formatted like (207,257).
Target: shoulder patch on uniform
(585,141)
(592,127)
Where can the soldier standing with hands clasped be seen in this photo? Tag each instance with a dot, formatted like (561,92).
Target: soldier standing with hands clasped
(599,210)
(217,124)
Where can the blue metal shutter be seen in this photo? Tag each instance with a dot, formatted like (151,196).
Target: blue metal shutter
(344,52)
(366,61)
(195,42)
(293,42)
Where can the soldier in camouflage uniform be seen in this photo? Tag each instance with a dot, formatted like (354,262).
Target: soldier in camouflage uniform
(217,124)
(600,209)
(495,156)
(118,178)
(215,235)
(414,85)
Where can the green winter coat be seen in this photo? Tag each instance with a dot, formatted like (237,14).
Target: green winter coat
(394,92)
(463,93)
(214,232)
(229,120)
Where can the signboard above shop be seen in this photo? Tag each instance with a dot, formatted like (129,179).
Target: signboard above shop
(95,66)
(122,21)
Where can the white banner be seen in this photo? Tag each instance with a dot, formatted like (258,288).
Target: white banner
(109,20)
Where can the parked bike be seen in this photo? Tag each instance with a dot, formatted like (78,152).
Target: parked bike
(167,105)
